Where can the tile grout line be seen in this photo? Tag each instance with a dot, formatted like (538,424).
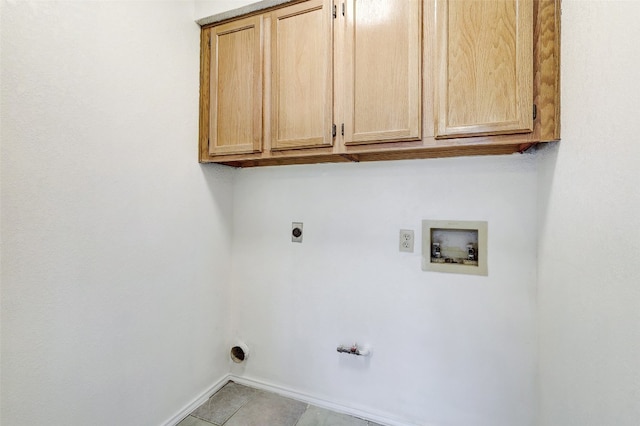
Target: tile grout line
(305,410)
(204,420)
(253,395)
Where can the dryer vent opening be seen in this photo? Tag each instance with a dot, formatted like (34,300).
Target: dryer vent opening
(238,354)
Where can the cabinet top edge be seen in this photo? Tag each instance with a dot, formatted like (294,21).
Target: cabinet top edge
(241,11)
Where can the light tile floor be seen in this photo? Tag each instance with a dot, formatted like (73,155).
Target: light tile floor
(237,405)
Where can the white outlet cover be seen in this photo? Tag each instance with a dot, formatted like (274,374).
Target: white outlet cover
(406,240)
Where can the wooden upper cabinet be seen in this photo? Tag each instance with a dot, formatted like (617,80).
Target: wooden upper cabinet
(485,71)
(302,76)
(382,70)
(307,81)
(235,84)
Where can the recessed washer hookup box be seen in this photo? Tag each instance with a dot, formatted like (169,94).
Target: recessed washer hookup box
(458,247)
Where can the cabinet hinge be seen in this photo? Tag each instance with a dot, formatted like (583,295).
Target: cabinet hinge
(535,111)
(335,11)
(342,9)
(333,130)
(342,129)
(209,41)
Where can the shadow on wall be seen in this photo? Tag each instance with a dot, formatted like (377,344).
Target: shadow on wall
(219,180)
(547,160)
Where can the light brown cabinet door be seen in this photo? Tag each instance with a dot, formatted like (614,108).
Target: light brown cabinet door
(382,70)
(302,76)
(485,72)
(236,87)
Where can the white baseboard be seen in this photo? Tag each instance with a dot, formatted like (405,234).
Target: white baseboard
(182,414)
(363,413)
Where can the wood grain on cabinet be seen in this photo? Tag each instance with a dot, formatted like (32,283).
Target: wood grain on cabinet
(485,72)
(546,59)
(382,70)
(205,95)
(302,76)
(235,109)
(489,114)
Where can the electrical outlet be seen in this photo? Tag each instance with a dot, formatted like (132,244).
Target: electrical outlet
(296,232)
(406,240)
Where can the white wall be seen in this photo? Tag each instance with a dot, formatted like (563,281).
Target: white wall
(206,8)
(589,247)
(115,242)
(447,349)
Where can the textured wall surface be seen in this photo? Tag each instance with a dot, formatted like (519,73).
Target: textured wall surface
(115,242)
(447,349)
(589,247)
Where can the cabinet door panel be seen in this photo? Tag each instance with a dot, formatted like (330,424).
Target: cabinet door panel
(301,59)
(236,87)
(382,68)
(485,82)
